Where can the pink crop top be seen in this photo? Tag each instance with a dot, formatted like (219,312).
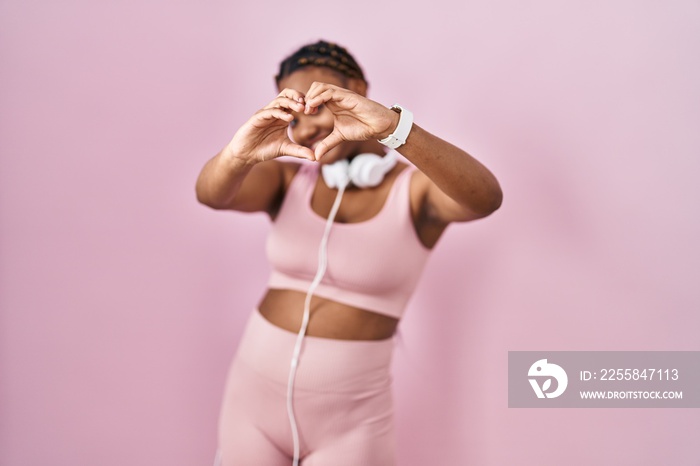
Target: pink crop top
(373,265)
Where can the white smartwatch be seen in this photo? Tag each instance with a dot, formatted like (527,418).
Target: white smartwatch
(400,134)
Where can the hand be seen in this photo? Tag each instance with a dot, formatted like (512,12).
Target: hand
(264,135)
(356,118)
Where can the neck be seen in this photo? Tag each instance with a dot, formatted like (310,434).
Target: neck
(368,147)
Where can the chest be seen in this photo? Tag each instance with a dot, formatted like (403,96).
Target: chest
(357,205)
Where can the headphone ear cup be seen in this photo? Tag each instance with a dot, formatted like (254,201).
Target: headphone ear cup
(336,174)
(368,170)
(363,170)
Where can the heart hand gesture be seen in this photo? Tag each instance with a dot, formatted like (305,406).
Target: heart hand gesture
(356,118)
(264,136)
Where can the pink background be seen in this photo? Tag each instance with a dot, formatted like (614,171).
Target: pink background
(122,299)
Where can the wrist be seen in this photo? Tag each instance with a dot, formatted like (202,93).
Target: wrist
(237,158)
(394,115)
(399,134)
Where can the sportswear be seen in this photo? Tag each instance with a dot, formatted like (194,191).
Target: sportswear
(373,265)
(342,400)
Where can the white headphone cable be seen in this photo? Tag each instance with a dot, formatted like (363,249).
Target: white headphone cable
(322,263)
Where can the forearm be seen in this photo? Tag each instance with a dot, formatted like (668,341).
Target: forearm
(221,178)
(456,173)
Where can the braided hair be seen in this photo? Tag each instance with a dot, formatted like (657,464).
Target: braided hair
(321,53)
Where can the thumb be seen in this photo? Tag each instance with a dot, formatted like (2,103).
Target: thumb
(328,143)
(295,150)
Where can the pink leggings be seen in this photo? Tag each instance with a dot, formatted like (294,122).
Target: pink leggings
(342,401)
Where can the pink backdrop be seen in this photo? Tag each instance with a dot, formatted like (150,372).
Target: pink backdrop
(122,299)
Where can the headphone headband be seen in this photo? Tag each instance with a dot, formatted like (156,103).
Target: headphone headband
(364,171)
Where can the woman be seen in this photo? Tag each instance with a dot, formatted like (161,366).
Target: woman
(333,317)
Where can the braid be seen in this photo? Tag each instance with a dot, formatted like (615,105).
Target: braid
(321,53)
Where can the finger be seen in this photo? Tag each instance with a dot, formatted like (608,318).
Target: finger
(266,116)
(320,99)
(295,150)
(328,143)
(317,88)
(286,102)
(292,94)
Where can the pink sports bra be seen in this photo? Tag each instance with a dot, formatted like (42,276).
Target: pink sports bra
(373,265)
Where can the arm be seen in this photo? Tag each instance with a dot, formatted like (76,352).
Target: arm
(452,185)
(244,175)
(229,182)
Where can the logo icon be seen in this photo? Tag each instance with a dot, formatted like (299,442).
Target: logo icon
(543,369)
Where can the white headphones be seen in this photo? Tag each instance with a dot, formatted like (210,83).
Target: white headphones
(364,171)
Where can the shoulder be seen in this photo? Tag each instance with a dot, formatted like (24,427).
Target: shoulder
(276,173)
(287,171)
(293,175)
(402,171)
(303,172)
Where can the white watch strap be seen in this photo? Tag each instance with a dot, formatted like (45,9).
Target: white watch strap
(400,134)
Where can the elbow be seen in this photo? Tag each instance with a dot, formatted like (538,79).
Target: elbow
(201,195)
(496,199)
(205,199)
(491,200)
(200,191)
(211,204)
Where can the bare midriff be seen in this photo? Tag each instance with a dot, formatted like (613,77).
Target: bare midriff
(327,318)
